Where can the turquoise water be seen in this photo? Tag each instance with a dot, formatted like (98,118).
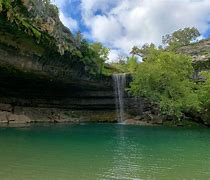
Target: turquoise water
(103,151)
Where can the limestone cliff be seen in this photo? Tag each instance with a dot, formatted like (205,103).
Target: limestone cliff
(44,74)
(32,29)
(200,52)
(46,77)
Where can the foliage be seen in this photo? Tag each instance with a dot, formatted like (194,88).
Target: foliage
(109,70)
(121,67)
(132,64)
(14,17)
(147,52)
(165,80)
(102,51)
(204,96)
(204,89)
(181,37)
(201,65)
(1,5)
(51,8)
(101,55)
(88,57)
(94,56)
(39,19)
(126,64)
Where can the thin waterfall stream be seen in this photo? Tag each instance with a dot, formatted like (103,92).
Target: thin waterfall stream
(119,89)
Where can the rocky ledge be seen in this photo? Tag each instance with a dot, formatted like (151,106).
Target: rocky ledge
(44,75)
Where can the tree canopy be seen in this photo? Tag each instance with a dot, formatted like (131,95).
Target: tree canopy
(102,54)
(132,64)
(147,52)
(181,37)
(165,80)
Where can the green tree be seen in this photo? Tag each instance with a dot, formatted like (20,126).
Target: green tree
(204,95)
(205,87)
(147,52)
(102,53)
(181,37)
(121,64)
(166,82)
(89,58)
(132,64)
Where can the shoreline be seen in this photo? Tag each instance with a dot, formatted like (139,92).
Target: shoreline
(129,122)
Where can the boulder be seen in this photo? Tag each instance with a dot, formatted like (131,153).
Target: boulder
(18,119)
(3,117)
(5,107)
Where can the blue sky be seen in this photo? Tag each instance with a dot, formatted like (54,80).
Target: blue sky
(121,24)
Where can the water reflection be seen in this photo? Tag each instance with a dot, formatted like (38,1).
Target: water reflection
(99,151)
(124,157)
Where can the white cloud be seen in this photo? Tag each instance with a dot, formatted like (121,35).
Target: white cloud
(59,3)
(123,24)
(200,38)
(113,55)
(106,28)
(68,22)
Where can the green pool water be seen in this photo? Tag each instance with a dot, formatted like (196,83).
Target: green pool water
(103,151)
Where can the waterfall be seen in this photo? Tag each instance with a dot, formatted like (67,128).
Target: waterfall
(119,88)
